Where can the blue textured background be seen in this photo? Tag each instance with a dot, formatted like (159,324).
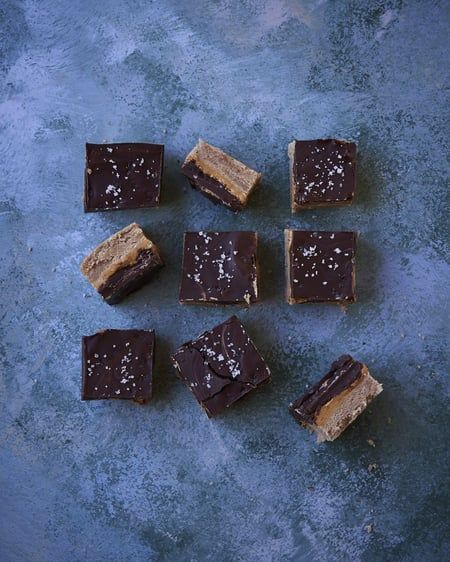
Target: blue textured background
(115,481)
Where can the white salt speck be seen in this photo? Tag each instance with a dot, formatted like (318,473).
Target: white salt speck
(113,189)
(309,252)
(337,250)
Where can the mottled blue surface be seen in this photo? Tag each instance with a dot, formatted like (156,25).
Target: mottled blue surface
(114,481)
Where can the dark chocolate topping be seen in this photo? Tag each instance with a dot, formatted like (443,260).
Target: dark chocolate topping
(322,266)
(344,372)
(122,176)
(221,365)
(132,277)
(210,187)
(219,267)
(324,171)
(118,364)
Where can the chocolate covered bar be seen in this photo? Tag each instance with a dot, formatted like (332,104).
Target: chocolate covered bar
(220,177)
(320,266)
(322,173)
(219,267)
(221,366)
(122,263)
(122,176)
(333,403)
(118,364)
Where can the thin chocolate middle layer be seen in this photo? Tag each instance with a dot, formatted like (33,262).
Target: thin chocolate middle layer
(130,278)
(210,187)
(344,372)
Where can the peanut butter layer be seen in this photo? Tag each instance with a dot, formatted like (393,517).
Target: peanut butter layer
(337,414)
(333,403)
(234,176)
(122,263)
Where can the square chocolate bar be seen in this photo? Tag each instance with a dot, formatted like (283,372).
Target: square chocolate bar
(122,176)
(333,403)
(320,266)
(322,173)
(118,364)
(221,366)
(220,177)
(122,263)
(219,267)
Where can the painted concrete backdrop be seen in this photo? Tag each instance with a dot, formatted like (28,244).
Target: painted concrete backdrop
(114,481)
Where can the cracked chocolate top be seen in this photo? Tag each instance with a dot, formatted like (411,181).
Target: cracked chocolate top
(221,365)
(321,266)
(323,171)
(219,267)
(344,372)
(118,364)
(122,176)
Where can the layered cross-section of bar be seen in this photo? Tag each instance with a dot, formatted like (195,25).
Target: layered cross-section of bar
(219,176)
(122,263)
(334,402)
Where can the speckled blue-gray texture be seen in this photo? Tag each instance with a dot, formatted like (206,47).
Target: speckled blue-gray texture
(116,481)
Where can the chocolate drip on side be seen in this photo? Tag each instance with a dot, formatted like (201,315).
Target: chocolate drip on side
(344,372)
(210,187)
(131,278)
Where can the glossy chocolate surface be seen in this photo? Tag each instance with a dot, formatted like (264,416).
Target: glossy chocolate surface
(323,172)
(221,366)
(321,266)
(118,364)
(219,267)
(122,176)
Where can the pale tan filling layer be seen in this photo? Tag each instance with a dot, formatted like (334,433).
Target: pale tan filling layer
(287,248)
(238,179)
(335,416)
(118,251)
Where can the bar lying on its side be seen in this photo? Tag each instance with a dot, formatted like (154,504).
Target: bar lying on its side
(333,403)
(122,263)
(219,176)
